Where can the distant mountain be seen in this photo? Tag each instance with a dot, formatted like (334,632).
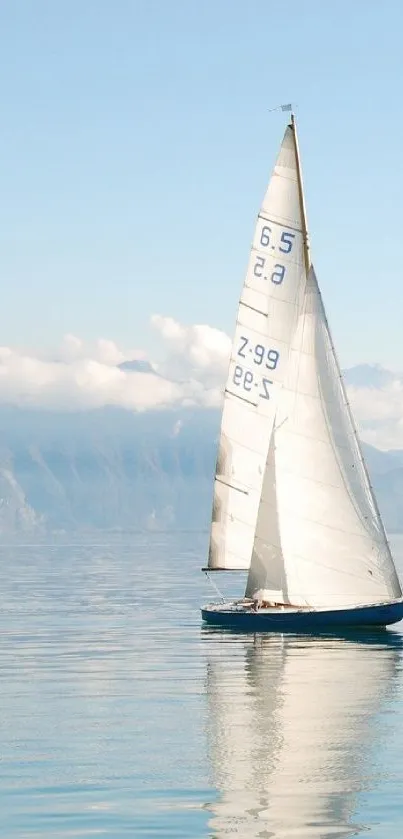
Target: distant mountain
(109,469)
(137,366)
(369,375)
(105,469)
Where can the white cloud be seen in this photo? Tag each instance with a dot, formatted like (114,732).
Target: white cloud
(83,383)
(379,414)
(81,375)
(103,350)
(200,352)
(192,372)
(71,348)
(108,353)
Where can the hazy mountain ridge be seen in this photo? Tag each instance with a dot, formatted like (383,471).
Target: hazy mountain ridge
(105,469)
(110,469)
(370,376)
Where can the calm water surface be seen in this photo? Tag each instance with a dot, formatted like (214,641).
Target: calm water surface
(120,716)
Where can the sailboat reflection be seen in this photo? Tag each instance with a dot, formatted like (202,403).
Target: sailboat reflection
(294,729)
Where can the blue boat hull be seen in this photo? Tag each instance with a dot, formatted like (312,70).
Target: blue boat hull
(244,620)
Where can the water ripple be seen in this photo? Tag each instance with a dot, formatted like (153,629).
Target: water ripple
(121,716)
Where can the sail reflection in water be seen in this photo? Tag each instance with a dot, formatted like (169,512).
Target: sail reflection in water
(294,728)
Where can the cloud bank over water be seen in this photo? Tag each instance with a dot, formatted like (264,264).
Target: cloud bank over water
(83,376)
(191,372)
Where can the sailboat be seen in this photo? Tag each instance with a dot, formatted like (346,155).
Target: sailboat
(293,504)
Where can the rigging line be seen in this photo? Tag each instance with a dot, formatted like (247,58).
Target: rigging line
(277,427)
(220,594)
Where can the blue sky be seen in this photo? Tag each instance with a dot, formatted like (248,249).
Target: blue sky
(135,147)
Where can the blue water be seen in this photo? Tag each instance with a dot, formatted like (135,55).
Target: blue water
(120,716)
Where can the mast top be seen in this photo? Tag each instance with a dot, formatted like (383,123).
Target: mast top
(307,258)
(283,108)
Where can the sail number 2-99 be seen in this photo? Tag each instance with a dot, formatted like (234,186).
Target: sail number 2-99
(246,380)
(259,353)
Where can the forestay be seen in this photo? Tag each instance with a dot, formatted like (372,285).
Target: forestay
(259,358)
(318,517)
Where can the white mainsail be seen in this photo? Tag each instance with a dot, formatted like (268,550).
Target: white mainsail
(294,739)
(292,500)
(319,536)
(268,308)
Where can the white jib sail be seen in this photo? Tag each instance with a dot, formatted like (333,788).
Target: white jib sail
(319,536)
(259,359)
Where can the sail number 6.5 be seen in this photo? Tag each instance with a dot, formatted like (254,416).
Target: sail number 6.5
(286,239)
(276,277)
(285,246)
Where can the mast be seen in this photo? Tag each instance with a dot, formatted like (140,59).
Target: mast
(307,258)
(263,560)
